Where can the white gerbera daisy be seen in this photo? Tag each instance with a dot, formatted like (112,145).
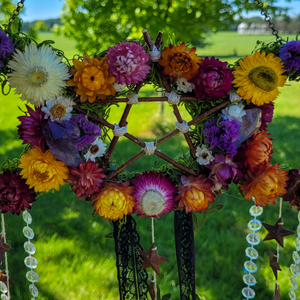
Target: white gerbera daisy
(58,109)
(97,149)
(38,74)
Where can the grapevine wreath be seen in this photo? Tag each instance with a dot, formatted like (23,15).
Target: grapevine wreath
(67,139)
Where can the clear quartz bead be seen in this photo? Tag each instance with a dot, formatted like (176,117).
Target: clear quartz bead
(253,239)
(249,279)
(250,266)
(251,253)
(294,269)
(29,248)
(296,257)
(299,216)
(3,287)
(292,294)
(32,276)
(28,232)
(297,243)
(254,225)
(4,297)
(33,290)
(30,262)
(248,293)
(255,211)
(298,230)
(293,282)
(27,217)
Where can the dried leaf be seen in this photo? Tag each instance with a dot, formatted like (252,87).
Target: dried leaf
(214,209)
(110,235)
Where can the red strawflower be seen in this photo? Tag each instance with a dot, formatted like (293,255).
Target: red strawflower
(293,188)
(31,128)
(213,80)
(86,179)
(15,195)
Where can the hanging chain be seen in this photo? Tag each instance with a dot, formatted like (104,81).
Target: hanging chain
(16,12)
(267,18)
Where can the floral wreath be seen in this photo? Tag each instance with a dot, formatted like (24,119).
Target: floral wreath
(66,133)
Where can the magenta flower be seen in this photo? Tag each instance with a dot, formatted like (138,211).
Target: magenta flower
(213,80)
(293,188)
(267,111)
(225,170)
(31,128)
(154,194)
(128,62)
(86,180)
(15,195)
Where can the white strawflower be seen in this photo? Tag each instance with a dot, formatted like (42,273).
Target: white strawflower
(233,96)
(58,109)
(234,112)
(118,87)
(184,86)
(97,149)
(38,74)
(204,155)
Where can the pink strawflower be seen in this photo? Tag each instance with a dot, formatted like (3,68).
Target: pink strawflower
(86,179)
(15,195)
(128,62)
(31,128)
(154,194)
(213,80)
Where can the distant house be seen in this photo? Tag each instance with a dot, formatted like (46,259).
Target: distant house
(253,28)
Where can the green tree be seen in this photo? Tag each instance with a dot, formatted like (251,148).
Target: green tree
(98,24)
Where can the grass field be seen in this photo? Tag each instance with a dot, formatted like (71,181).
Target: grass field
(76,261)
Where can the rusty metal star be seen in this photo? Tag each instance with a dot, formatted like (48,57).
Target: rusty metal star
(3,278)
(276,232)
(151,259)
(3,247)
(277,293)
(274,263)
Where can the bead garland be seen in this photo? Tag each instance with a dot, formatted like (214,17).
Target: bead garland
(294,267)
(253,239)
(30,261)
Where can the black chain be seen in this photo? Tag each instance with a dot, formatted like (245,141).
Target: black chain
(16,12)
(267,18)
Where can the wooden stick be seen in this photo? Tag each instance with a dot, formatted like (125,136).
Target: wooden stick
(158,41)
(126,164)
(145,99)
(147,39)
(174,163)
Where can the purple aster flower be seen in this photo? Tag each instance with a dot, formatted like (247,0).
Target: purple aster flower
(91,128)
(84,141)
(290,54)
(213,80)
(128,62)
(6,45)
(79,119)
(225,170)
(222,137)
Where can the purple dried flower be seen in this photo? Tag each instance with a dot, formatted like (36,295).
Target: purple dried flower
(79,119)
(6,45)
(128,62)
(91,128)
(84,141)
(290,54)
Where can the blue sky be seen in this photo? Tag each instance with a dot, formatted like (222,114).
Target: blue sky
(50,9)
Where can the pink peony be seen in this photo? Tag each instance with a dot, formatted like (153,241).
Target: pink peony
(213,80)
(128,62)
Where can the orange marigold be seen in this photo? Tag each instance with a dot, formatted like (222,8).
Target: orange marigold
(91,78)
(266,185)
(195,194)
(114,201)
(257,151)
(179,62)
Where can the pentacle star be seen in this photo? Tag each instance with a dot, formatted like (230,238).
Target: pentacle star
(274,263)
(277,293)
(151,259)
(3,247)
(276,232)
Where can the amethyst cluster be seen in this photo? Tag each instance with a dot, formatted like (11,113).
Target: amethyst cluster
(6,46)
(290,55)
(222,134)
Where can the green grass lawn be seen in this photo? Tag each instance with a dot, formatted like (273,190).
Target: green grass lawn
(76,261)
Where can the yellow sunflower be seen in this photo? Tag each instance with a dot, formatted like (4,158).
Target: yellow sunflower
(42,170)
(258,78)
(91,78)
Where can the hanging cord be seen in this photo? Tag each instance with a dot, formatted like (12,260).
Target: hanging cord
(279,216)
(153,249)
(5,256)
(267,19)
(16,13)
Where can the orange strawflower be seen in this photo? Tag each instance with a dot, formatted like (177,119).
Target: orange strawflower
(91,78)
(42,170)
(257,151)
(267,185)
(179,62)
(114,201)
(195,194)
